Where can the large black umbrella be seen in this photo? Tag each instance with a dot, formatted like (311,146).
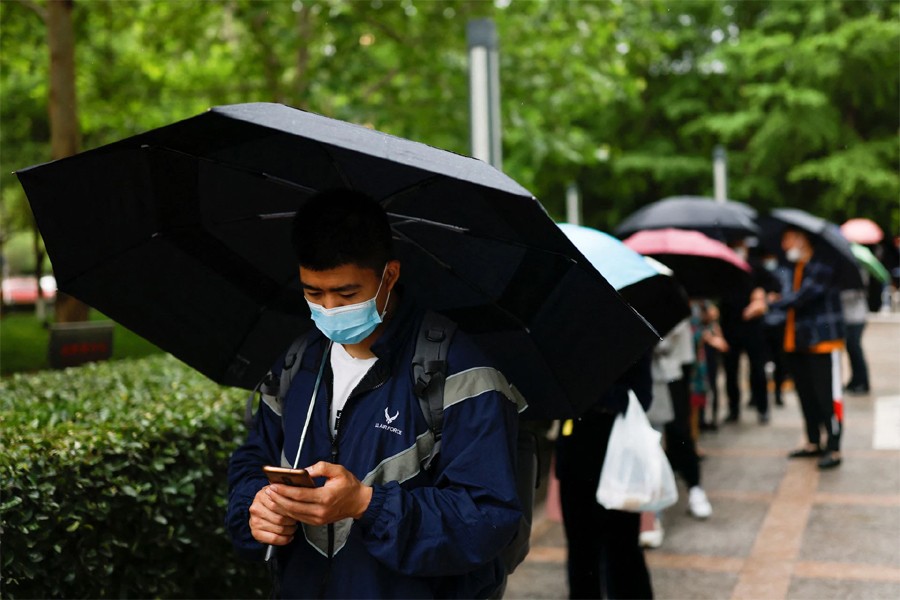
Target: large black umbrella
(720,220)
(829,243)
(182,235)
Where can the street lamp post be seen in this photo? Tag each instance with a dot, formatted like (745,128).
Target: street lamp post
(573,204)
(720,174)
(484,91)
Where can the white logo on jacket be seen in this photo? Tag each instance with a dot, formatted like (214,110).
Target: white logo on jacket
(388,420)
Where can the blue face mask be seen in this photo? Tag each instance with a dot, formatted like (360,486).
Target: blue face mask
(349,324)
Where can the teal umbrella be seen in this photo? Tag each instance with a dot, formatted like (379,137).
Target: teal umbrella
(872,264)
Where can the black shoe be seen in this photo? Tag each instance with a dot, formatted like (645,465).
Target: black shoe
(708,426)
(829,461)
(779,401)
(732,418)
(857,390)
(805,453)
(763,418)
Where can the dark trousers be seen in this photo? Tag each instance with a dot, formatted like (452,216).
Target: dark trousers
(712,376)
(859,371)
(774,338)
(680,446)
(605,559)
(813,378)
(748,338)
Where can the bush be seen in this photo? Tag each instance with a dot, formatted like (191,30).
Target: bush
(113,484)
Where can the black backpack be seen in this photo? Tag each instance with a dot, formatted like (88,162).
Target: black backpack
(429,367)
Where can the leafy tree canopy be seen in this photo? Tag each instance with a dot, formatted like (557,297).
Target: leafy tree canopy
(628,99)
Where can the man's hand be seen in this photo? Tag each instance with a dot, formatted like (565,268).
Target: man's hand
(341,497)
(266,525)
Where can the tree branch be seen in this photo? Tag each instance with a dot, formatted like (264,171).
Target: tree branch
(380,83)
(386,30)
(34,7)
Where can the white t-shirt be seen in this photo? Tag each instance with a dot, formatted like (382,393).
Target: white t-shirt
(348,372)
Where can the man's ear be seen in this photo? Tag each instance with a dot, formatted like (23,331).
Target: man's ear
(392,273)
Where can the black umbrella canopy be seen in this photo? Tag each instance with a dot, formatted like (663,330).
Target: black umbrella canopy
(720,220)
(828,242)
(659,299)
(182,235)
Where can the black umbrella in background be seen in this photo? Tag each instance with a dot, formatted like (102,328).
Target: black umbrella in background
(182,235)
(705,267)
(724,221)
(829,243)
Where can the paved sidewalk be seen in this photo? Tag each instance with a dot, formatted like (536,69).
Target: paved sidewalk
(780,528)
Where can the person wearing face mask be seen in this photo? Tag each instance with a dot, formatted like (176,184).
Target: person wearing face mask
(378,524)
(813,339)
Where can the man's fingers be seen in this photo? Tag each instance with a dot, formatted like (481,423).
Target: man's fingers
(272,539)
(311,509)
(291,492)
(266,508)
(271,533)
(325,469)
(268,526)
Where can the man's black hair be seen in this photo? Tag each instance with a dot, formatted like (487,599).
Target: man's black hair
(339,227)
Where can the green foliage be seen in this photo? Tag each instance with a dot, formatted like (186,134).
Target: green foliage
(24,343)
(113,484)
(628,99)
(803,95)
(19,253)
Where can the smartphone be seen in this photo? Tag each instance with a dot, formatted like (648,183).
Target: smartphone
(298,477)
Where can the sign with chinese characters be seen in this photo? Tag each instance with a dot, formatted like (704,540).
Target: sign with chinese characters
(73,344)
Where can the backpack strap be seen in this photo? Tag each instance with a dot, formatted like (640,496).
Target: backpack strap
(275,390)
(430,372)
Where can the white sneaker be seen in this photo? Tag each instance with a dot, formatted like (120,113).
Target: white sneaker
(652,538)
(698,503)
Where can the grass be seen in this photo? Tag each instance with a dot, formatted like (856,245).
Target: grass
(24,340)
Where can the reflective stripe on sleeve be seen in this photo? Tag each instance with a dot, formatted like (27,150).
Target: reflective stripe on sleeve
(468,384)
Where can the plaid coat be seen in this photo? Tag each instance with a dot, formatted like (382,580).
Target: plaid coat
(817,305)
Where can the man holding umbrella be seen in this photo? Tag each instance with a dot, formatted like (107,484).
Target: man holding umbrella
(814,336)
(379,523)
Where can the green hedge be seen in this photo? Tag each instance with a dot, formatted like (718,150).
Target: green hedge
(113,484)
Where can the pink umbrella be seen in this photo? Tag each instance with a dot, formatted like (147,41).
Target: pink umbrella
(704,266)
(862,231)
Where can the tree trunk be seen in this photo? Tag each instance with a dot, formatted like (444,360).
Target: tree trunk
(65,132)
(301,77)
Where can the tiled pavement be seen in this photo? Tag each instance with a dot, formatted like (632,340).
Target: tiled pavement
(780,529)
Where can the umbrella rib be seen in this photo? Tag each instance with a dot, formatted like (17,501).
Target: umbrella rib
(387,200)
(456,274)
(406,219)
(215,161)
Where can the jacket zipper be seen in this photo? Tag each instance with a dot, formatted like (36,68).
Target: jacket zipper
(335,436)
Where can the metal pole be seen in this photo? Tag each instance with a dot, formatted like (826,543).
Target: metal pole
(484,91)
(573,204)
(720,174)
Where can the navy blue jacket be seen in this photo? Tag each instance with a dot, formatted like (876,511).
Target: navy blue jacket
(818,313)
(435,533)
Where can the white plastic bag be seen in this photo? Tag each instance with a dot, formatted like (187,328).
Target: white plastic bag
(636,474)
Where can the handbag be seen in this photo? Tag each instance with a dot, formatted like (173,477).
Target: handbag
(636,474)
